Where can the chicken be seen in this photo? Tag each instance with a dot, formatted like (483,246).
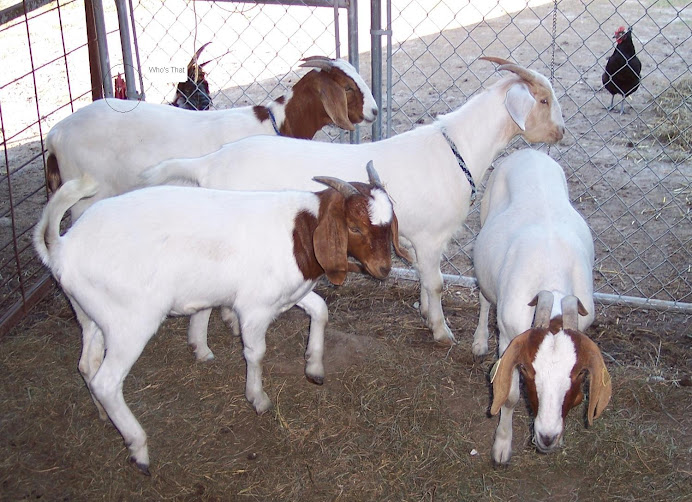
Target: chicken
(623,70)
(193,94)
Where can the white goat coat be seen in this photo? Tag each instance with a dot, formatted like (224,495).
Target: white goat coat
(531,239)
(429,191)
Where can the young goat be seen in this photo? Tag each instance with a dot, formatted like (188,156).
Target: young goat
(420,168)
(131,260)
(533,244)
(127,137)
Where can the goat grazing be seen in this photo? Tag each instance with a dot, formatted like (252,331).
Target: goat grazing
(430,183)
(114,140)
(131,260)
(534,245)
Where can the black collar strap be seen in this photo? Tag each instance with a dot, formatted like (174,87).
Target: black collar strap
(273,120)
(462,164)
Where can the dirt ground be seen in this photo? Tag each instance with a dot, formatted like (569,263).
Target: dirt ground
(398,418)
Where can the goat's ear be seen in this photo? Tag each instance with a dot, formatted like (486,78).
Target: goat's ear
(600,384)
(333,99)
(400,252)
(330,240)
(503,371)
(519,102)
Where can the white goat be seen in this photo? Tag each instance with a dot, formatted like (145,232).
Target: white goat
(430,191)
(534,245)
(114,140)
(131,260)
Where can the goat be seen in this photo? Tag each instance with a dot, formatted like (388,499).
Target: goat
(131,260)
(534,244)
(115,140)
(193,93)
(431,193)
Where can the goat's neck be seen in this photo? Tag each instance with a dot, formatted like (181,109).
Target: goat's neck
(304,111)
(479,135)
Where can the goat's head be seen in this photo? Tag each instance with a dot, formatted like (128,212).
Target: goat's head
(553,357)
(531,102)
(193,94)
(332,93)
(357,220)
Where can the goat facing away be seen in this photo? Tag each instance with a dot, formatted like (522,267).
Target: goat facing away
(534,249)
(430,191)
(127,137)
(131,260)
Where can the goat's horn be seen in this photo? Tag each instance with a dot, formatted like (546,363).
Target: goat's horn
(521,71)
(373,176)
(343,187)
(495,60)
(321,62)
(572,308)
(199,51)
(543,302)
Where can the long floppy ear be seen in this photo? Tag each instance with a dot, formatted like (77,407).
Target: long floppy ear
(330,240)
(519,102)
(400,251)
(600,383)
(501,375)
(333,99)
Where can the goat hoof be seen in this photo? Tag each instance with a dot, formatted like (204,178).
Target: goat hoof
(143,468)
(317,380)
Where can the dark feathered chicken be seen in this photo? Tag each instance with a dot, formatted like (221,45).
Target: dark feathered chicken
(193,94)
(623,69)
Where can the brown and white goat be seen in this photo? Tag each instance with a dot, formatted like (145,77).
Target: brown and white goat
(534,244)
(131,260)
(115,140)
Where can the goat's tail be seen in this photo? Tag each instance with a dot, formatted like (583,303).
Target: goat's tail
(171,171)
(47,230)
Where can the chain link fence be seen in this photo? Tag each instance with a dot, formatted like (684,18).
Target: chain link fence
(629,174)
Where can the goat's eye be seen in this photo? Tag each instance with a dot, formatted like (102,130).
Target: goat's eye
(544,101)
(355,230)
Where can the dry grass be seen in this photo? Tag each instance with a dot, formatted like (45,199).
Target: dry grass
(674,109)
(398,418)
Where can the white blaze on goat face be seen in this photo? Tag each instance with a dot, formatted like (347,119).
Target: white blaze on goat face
(380,208)
(369,104)
(555,358)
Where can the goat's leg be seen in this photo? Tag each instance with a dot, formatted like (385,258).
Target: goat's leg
(502,447)
(107,386)
(231,320)
(480,337)
(253,331)
(314,305)
(92,352)
(431,295)
(197,335)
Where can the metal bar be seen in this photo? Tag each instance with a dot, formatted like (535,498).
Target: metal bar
(376,63)
(353,57)
(342,4)
(126,46)
(389,69)
(603,298)
(19,9)
(93,48)
(34,294)
(139,63)
(106,77)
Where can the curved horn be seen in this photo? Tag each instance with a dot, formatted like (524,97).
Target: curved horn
(343,187)
(373,176)
(495,60)
(572,308)
(543,302)
(321,62)
(521,71)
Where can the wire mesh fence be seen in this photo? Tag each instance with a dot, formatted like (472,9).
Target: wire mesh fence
(629,174)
